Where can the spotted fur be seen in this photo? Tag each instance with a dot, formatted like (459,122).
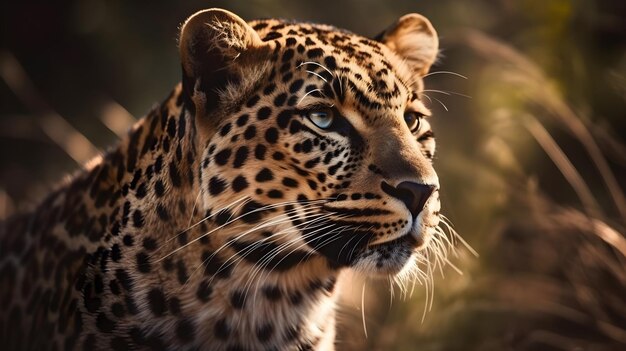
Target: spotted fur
(223,219)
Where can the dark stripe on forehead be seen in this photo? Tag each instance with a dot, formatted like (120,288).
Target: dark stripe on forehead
(362,98)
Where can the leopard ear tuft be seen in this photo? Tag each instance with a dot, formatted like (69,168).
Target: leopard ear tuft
(212,42)
(413,38)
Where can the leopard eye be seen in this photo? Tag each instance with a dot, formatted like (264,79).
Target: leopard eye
(413,120)
(322,118)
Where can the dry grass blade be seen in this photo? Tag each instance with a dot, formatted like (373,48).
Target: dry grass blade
(493,49)
(75,144)
(563,163)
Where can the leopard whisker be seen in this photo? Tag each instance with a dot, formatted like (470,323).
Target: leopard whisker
(317,64)
(260,267)
(228,222)
(252,247)
(307,94)
(317,75)
(276,234)
(449,93)
(444,72)
(213,255)
(206,218)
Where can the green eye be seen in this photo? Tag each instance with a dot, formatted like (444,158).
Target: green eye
(413,120)
(322,118)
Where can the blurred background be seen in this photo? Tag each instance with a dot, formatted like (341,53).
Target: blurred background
(529,103)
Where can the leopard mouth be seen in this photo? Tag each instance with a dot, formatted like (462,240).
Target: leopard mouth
(407,240)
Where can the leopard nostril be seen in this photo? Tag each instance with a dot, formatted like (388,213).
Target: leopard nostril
(413,195)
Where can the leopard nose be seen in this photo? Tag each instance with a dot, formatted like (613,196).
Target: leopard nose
(413,195)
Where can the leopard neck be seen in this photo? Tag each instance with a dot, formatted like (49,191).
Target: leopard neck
(169,263)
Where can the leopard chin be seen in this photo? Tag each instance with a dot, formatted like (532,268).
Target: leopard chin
(390,258)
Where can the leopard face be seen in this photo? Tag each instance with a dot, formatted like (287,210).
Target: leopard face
(315,140)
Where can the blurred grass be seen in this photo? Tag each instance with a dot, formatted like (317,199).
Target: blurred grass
(533,164)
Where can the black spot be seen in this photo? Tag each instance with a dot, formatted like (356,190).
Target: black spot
(307,145)
(181,126)
(128,240)
(264,175)
(149,243)
(240,157)
(278,156)
(158,164)
(280,99)
(283,118)
(171,127)
(185,330)
(116,253)
(214,266)
(137,219)
(239,183)
(252,101)
(330,62)
(250,212)
(181,272)
(204,291)
(221,158)
(162,213)
(275,194)
(312,163)
(287,77)
(242,120)
(295,127)
(290,182)
(221,329)
(314,53)
(269,89)
(271,135)
(156,301)
(223,216)
(272,36)
(174,175)
(238,299)
(225,129)
(118,310)
(124,278)
(265,332)
(250,132)
(140,193)
(295,86)
(263,113)
(104,324)
(273,293)
(143,262)
(159,188)
(259,152)
(216,185)
(296,298)
(288,54)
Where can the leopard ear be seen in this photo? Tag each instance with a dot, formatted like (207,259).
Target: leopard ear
(414,39)
(212,44)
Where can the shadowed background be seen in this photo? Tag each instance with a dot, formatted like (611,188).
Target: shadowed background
(529,107)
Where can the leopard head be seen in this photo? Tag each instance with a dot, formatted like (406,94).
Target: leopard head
(313,138)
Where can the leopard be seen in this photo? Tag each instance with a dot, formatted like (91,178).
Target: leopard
(290,153)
